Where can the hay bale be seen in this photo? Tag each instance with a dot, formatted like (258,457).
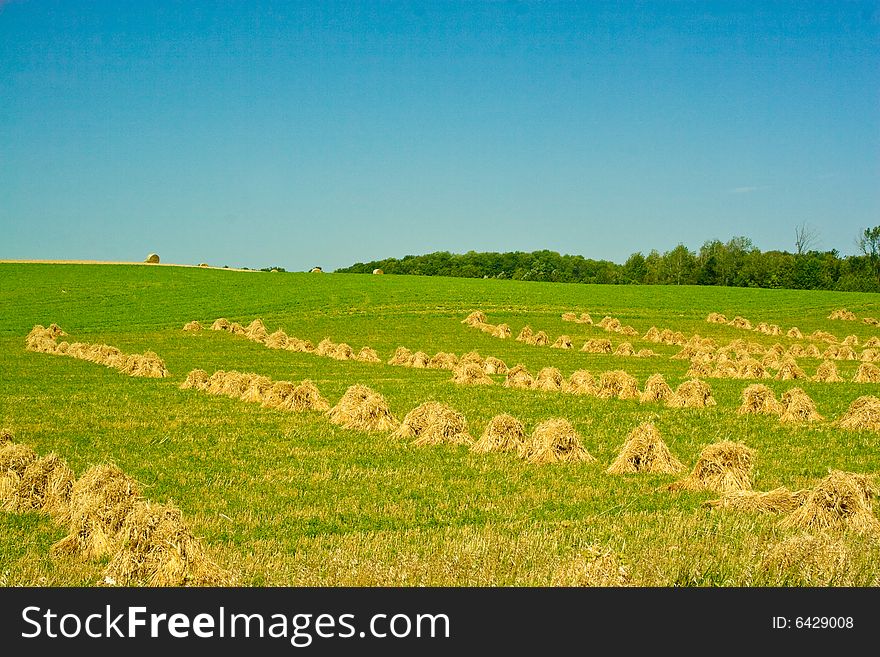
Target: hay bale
(808,560)
(342,351)
(230,384)
(569,317)
(749,368)
(644,451)
(759,399)
(789,371)
(443,360)
(152,258)
(501,331)
(652,335)
(470,374)
(14,461)
(278,394)
(473,358)
(549,379)
(220,324)
(555,441)
(157,548)
(740,323)
(433,423)
(420,360)
(721,467)
(851,341)
(494,365)
(196,380)
(656,389)
(256,331)
(716,318)
(862,414)
(525,335)
(562,342)
(363,409)
(812,351)
(257,389)
(600,346)
(504,433)
(624,349)
(619,384)
(44,485)
(840,500)
(867,373)
(100,500)
(378,272)
(193,327)
(277,340)
(368,355)
(797,407)
(778,500)
(306,397)
(518,377)
(584,318)
(581,382)
(402,356)
(326,348)
(475,318)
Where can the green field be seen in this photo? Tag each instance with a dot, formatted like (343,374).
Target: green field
(282,498)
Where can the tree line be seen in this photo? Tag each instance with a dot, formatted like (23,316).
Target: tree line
(737,262)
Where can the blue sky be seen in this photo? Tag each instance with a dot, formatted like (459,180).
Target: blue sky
(317,133)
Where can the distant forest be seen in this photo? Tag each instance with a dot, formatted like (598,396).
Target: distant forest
(734,263)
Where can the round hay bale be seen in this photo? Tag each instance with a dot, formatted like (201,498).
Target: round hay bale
(433,423)
(555,441)
(504,433)
(362,409)
(377,271)
(644,451)
(152,258)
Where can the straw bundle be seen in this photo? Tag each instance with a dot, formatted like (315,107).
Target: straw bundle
(842,499)
(494,365)
(504,433)
(362,409)
(862,414)
(443,361)
(759,399)
(193,327)
(518,377)
(656,389)
(550,379)
(433,423)
(554,441)
(645,451)
(691,394)
(619,384)
(867,373)
(778,500)
(600,346)
(562,342)
(797,407)
(470,374)
(721,467)
(475,318)
(581,382)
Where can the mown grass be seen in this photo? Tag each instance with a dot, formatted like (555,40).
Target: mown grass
(289,499)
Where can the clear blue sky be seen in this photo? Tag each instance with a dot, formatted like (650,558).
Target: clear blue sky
(317,133)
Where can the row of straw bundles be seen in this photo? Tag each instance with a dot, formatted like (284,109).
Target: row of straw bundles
(583,318)
(44,340)
(256,388)
(256,331)
(105,516)
(478,320)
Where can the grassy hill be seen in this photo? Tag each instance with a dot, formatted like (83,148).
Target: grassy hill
(284,498)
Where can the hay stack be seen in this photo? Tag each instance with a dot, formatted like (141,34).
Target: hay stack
(872,342)
(656,389)
(301,346)
(569,317)
(812,351)
(443,360)
(840,500)
(525,335)
(778,500)
(257,389)
(691,394)
(362,409)
(549,379)
(721,467)
(195,380)
(760,400)
(867,373)
(368,355)
(434,423)
(867,355)
(256,331)
(40,340)
(342,351)
(750,368)
(470,374)
(585,318)
(518,377)
(277,340)
(554,441)
(402,356)
(100,500)
(494,365)
(278,394)
(193,327)
(472,357)
(326,347)
(789,371)
(851,341)
(236,329)
(862,414)
(562,342)
(152,258)
(539,339)
(797,407)
(624,349)
(644,451)
(306,397)
(504,433)
(581,382)
(611,324)
(420,360)
(501,331)
(14,461)
(158,549)
(795,332)
(871,321)
(475,318)
(652,335)
(716,318)
(823,336)
(844,314)
(600,346)
(44,485)
(740,323)
(619,384)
